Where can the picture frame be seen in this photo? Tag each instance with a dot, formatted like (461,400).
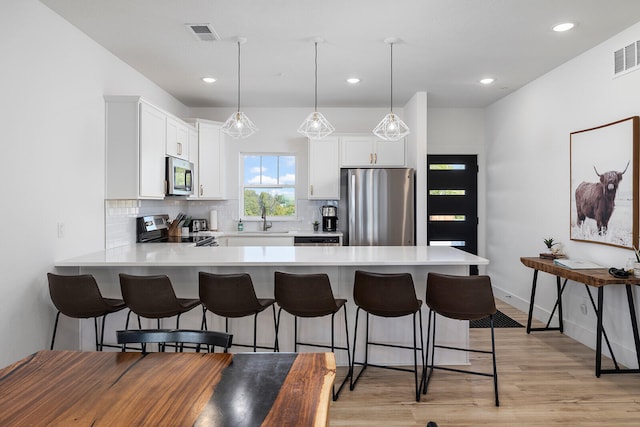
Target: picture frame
(604,184)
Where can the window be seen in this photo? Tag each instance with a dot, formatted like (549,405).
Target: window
(268,181)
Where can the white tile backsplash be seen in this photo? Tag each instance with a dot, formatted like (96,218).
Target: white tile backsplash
(120,216)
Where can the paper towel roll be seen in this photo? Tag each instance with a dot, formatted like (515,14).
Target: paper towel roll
(213,220)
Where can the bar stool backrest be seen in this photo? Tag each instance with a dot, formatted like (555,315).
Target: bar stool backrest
(460,297)
(228,295)
(77,296)
(150,296)
(385,294)
(304,295)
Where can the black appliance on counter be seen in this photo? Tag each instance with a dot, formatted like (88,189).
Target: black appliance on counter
(329,218)
(155,229)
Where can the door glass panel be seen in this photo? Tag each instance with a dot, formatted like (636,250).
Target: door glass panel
(456,243)
(447,192)
(447,217)
(447,167)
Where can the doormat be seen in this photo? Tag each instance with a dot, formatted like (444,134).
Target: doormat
(500,320)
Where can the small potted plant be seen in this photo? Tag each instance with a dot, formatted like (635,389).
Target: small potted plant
(316,224)
(553,247)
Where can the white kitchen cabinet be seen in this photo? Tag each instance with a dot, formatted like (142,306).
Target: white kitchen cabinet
(209,162)
(135,149)
(177,144)
(324,168)
(370,151)
(240,240)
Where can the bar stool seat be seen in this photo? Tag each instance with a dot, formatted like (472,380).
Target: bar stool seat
(460,298)
(233,296)
(79,297)
(153,297)
(387,295)
(310,295)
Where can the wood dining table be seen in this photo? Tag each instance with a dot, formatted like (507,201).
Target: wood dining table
(72,388)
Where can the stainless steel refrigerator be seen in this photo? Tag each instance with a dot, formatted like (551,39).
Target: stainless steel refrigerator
(377,207)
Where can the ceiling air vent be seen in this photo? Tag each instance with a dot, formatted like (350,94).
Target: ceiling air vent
(626,59)
(203,32)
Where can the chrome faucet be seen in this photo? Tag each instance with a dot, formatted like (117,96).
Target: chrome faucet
(265,224)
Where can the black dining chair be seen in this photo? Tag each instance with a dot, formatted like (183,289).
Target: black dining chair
(387,295)
(233,296)
(79,297)
(460,298)
(179,337)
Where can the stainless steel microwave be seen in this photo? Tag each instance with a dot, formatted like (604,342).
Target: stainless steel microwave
(179,177)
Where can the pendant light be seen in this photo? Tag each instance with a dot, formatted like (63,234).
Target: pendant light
(315,125)
(391,128)
(238,124)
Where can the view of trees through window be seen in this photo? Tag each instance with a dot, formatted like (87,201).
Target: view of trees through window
(269,182)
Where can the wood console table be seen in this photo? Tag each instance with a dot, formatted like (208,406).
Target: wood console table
(598,278)
(63,388)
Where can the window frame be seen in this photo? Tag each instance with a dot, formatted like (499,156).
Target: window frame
(243,185)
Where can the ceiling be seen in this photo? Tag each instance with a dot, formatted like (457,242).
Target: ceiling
(445,46)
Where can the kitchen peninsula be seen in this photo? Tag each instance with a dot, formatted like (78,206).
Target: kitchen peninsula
(182,262)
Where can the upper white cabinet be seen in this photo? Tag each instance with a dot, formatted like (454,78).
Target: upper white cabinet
(324,168)
(177,138)
(135,146)
(209,161)
(369,151)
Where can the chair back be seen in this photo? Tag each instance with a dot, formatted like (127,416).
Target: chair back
(150,296)
(385,294)
(177,336)
(228,295)
(304,295)
(460,297)
(77,296)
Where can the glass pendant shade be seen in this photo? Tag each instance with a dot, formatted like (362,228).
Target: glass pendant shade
(391,128)
(315,126)
(238,124)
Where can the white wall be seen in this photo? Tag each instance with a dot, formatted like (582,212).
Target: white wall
(52,81)
(527,147)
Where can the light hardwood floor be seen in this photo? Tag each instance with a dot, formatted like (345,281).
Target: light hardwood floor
(544,378)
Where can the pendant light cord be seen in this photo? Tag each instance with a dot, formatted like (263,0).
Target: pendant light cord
(238,76)
(391,44)
(315,105)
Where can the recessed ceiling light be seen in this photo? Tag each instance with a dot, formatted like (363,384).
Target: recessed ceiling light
(563,26)
(487,81)
(353,80)
(208,79)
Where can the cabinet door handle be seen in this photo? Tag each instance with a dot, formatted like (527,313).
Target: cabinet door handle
(311,187)
(370,158)
(201,190)
(375,158)
(180,148)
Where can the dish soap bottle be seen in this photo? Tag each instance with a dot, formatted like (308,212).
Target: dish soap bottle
(240,225)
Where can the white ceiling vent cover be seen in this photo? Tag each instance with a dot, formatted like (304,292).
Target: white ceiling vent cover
(626,59)
(203,32)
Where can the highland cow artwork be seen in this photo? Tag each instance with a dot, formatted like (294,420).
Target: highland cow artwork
(604,184)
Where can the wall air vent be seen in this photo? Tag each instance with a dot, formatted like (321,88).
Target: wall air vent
(626,59)
(203,32)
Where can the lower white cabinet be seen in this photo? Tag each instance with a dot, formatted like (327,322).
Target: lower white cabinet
(256,241)
(324,169)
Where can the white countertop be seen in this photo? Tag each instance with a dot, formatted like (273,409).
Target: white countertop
(187,255)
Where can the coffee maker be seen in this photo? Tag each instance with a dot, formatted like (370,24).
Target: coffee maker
(329,218)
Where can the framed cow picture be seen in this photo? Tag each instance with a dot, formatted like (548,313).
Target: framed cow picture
(604,184)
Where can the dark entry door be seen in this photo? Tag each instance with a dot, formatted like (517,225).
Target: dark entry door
(452,201)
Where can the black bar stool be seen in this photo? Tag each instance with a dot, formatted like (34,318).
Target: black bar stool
(153,297)
(310,295)
(79,297)
(233,296)
(387,295)
(461,298)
